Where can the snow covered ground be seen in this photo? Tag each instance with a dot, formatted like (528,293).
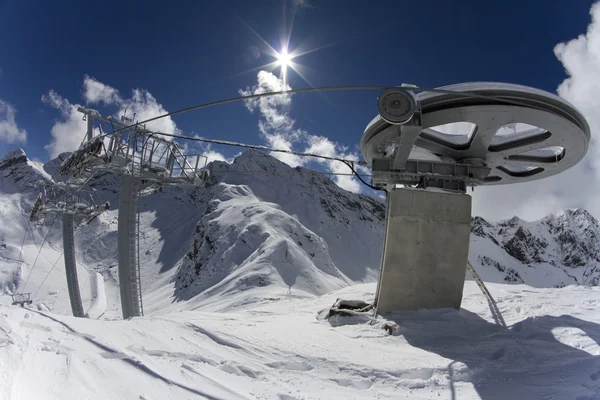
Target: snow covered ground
(280,349)
(235,276)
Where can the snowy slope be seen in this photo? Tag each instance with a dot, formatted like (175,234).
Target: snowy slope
(243,242)
(23,268)
(266,223)
(279,349)
(259,223)
(236,275)
(305,232)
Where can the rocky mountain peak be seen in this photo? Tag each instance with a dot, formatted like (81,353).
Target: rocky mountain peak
(52,167)
(574,218)
(567,240)
(13,157)
(17,170)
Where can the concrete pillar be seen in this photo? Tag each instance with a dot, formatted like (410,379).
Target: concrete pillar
(129,280)
(70,265)
(425,251)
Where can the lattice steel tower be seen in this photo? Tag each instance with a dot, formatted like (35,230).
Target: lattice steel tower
(141,158)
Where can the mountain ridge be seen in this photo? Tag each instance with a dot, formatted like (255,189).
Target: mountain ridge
(260,223)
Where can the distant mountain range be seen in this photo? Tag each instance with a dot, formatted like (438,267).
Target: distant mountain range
(262,223)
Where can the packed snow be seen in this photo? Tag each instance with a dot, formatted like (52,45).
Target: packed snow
(236,278)
(279,349)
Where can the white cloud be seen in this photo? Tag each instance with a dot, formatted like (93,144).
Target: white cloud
(274,109)
(212,155)
(68,131)
(278,129)
(141,106)
(204,149)
(95,92)
(276,125)
(9,130)
(279,141)
(54,100)
(325,147)
(580,185)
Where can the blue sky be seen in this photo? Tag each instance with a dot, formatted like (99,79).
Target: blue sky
(185,53)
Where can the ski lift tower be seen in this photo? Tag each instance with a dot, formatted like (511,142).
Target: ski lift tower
(426,149)
(60,199)
(141,158)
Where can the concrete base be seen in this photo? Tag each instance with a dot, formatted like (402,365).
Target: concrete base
(425,251)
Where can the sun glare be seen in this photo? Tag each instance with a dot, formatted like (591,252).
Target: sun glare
(284,58)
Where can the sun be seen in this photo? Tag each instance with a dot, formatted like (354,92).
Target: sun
(284,59)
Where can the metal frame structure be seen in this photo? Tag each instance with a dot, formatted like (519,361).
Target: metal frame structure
(20,299)
(418,152)
(137,152)
(448,140)
(141,158)
(60,199)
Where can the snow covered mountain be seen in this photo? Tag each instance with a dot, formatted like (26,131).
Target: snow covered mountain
(267,223)
(260,223)
(558,250)
(235,274)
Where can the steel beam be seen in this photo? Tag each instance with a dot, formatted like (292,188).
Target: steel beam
(129,280)
(70,265)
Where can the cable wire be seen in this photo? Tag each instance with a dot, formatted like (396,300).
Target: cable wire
(351,166)
(467,94)
(349,163)
(39,252)
(321,89)
(282,172)
(21,251)
(259,147)
(58,259)
(32,235)
(48,274)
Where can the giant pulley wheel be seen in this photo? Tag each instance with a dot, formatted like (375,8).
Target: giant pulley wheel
(472,134)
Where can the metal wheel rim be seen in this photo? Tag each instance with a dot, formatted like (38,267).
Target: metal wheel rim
(564,125)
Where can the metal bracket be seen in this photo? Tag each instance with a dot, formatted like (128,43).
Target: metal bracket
(409,133)
(443,175)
